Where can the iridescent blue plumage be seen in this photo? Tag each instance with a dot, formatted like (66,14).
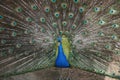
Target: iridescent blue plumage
(61,60)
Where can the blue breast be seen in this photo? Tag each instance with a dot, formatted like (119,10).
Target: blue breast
(61,60)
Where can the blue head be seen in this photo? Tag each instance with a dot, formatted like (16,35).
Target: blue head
(59,39)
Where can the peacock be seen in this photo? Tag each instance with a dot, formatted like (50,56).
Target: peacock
(39,34)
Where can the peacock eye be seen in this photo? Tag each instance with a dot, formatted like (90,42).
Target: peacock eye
(79,41)
(14,34)
(19,9)
(42,20)
(81,9)
(114,37)
(66,32)
(101,22)
(112,11)
(32,41)
(75,1)
(70,15)
(84,33)
(73,26)
(47,9)
(11,50)
(54,24)
(3,53)
(64,23)
(60,32)
(117,52)
(53,1)
(3,41)
(93,44)
(13,23)
(43,30)
(18,45)
(26,31)
(100,33)
(96,9)
(46,40)
(28,19)
(85,21)
(115,26)
(64,5)
(57,14)
(34,7)
(108,46)
(1,17)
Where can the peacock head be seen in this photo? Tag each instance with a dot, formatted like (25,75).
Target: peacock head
(59,39)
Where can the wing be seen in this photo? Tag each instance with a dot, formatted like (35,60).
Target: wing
(96,41)
(26,43)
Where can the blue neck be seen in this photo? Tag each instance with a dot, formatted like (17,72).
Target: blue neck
(61,60)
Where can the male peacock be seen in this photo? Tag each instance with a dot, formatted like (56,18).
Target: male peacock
(37,34)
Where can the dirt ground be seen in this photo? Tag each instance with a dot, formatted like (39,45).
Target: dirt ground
(58,74)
